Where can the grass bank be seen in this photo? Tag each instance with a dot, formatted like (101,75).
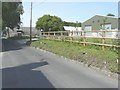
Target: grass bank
(90,55)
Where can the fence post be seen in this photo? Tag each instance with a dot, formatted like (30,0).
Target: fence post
(81,33)
(48,35)
(71,36)
(54,33)
(84,38)
(103,40)
(61,34)
(43,34)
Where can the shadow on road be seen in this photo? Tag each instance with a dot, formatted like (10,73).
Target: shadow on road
(10,45)
(25,76)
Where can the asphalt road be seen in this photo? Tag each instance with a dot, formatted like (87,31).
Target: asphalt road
(26,67)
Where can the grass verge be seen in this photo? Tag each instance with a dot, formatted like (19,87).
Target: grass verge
(90,55)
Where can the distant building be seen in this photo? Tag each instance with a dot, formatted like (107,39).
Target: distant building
(99,22)
(26,30)
(73,30)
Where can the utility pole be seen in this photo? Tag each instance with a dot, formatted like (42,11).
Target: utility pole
(77,28)
(31,24)
(76,25)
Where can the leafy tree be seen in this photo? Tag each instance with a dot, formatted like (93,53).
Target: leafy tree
(0,22)
(72,24)
(0,15)
(49,23)
(11,12)
(110,14)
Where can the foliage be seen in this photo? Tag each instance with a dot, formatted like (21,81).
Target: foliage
(114,69)
(49,23)
(110,14)
(11,12)
(53,23)
(0,23)
(72,24)
(0,16)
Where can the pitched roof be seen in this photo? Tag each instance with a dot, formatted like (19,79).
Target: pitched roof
(107,16)
(102,16)
(27,28)
(71,28)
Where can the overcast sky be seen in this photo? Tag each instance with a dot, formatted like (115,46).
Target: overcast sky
(68,11)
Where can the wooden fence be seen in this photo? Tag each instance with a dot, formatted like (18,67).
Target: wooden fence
(82,38)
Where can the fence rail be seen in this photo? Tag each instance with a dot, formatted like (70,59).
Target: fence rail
(84,39)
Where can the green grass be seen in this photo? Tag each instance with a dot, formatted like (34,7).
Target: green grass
(90,54)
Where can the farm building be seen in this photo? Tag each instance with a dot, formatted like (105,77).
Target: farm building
(73,30)
(26,30)
(99,22)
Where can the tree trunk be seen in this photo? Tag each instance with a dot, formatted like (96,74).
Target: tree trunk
(8,31)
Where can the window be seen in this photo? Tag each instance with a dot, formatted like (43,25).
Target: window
(88,27)
(107,27)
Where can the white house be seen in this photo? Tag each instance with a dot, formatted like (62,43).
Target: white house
(74,31)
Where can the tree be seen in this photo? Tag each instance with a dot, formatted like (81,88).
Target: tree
(11,12)
(0,16)
(110,14)
(49,23)
(72,24)
(0,23)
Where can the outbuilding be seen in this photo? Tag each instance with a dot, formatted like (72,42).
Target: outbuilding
(99,22)
(73,31)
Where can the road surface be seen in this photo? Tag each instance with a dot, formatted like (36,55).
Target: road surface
(26,67)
